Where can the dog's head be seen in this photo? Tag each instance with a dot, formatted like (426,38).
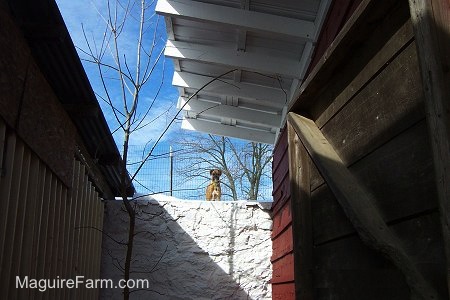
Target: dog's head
(215,174)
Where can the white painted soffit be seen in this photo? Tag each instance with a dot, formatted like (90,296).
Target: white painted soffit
(267,43)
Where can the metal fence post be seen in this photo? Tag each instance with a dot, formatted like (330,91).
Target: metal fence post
(171,169)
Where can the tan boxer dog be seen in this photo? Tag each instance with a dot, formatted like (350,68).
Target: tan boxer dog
(213,191)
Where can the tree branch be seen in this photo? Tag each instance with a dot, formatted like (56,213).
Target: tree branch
(174,118)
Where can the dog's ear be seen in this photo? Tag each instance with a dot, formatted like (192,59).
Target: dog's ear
(211,171)
(220,172)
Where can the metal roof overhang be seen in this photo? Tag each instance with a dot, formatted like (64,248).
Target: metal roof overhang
(267,45)
(53,49)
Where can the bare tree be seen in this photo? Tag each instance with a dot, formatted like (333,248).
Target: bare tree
(201,153)
(243,166)
(253,160)
(124,75)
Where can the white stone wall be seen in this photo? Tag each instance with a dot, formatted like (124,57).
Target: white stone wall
(193,249)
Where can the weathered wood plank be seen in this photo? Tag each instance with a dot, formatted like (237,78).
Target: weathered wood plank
(337,16)
(393,47)
(282,245)
(348,264)
(283,291)
(283,269)
(280,147)
(316,179)
(422,237)
(431,22)
(358,283)
(358,204)
(281,195)
(383,109)
(281,170)
(280,176)
(400,177)
(347,269)
(281,220)
(391,103)
(357,292)
(299,176)
(329,219)
(363,35)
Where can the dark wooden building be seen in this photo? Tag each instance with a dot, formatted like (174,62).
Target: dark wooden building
(361,170)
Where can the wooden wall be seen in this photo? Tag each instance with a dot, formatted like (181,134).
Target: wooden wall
(283,286)
(367,100)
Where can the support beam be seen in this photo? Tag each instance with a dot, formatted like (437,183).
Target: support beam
(229,87)
(242,34)
(431,23)
(358,205)
(304,63)
(169,28)
(302,233)
(258,136)
(236,59)
(241,41)
(321,16)
(309,48)
(235,17)
(226,111)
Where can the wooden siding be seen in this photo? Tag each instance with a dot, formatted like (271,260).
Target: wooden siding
(339,12)
(283,285)
(367,99)
(46,227)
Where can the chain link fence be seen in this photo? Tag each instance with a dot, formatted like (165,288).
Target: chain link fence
(174,171)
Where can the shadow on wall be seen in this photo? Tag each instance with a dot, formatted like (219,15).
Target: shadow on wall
(173,258)
(396,176)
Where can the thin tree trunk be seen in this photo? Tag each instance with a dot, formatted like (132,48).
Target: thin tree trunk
(129,209)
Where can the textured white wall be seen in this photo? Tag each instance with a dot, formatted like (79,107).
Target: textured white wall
(193,249)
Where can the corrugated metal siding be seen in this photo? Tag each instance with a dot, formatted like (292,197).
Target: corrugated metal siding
(46,227)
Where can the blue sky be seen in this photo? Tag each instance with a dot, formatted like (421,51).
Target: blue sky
(91,15)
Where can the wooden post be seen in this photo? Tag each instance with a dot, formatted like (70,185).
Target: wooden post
(431,22)
(299,176)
